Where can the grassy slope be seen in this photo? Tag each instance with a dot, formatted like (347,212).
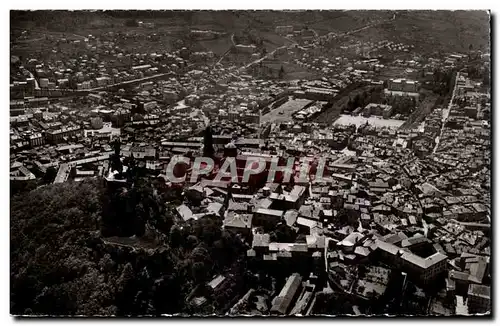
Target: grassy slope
(448,31)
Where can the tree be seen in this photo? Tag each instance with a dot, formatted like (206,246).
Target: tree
(62,265)
(486,78)
(350,104)
(49,175)
(131,23)
(199,272)
(208,143)
(357,101)
(281,73)
(175,237)
(199,254)
(284,233)
(191,241)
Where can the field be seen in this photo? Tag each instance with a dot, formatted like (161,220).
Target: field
(393,72)
(293,71)
(374,121)
(218,46)
(430,31)
(273,40)
(331,114)
(288,108)
(344,22)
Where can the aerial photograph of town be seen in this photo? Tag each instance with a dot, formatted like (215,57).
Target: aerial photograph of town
(262,163)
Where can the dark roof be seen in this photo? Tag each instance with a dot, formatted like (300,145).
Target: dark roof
(480,291)
(282,302)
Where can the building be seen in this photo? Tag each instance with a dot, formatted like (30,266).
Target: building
(96,123)
(471,112)
(36,139)
(243,50)
(479,299)
(284,30)
(267,217)
(402,87)
(61,135)
(184,212)
(319,94)
(421,269)
(21,174)
(238,223)
(378,110)
(282,303)
(103,81)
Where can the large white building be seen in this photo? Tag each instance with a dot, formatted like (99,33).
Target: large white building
(424,269)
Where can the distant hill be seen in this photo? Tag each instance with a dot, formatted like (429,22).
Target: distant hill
(59,20)
(438,30)
(223,20)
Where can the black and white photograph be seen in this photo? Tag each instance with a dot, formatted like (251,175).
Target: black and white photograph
(257,163)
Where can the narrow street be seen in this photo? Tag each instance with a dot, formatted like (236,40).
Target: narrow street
(446,113)
(36,81)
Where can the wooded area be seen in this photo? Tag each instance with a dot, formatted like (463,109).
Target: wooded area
(61,265)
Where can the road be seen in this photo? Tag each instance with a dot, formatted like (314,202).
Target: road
(446,113)
(325,254)
(193,114)
(284,113)
(267,56)
(127,82)
(331,36)
(102,88)
(36,82)
(228,50)
(29,40)
(45,36)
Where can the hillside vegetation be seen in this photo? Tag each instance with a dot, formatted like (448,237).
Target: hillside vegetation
(429,31)
(62,265)
(437,30)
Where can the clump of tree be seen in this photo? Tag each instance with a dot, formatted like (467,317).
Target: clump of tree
(443,81)
(281,73)
(61,264)
(347,217)
(131,23)
(361,99)
(402,104)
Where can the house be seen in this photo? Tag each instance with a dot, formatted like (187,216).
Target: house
(349,243)
(420,269)
(267,217)
(260,242)
(282,303)
(291,217)
(479,299)
(238,222)
(184,212)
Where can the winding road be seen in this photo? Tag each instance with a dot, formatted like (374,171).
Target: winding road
(330,36)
